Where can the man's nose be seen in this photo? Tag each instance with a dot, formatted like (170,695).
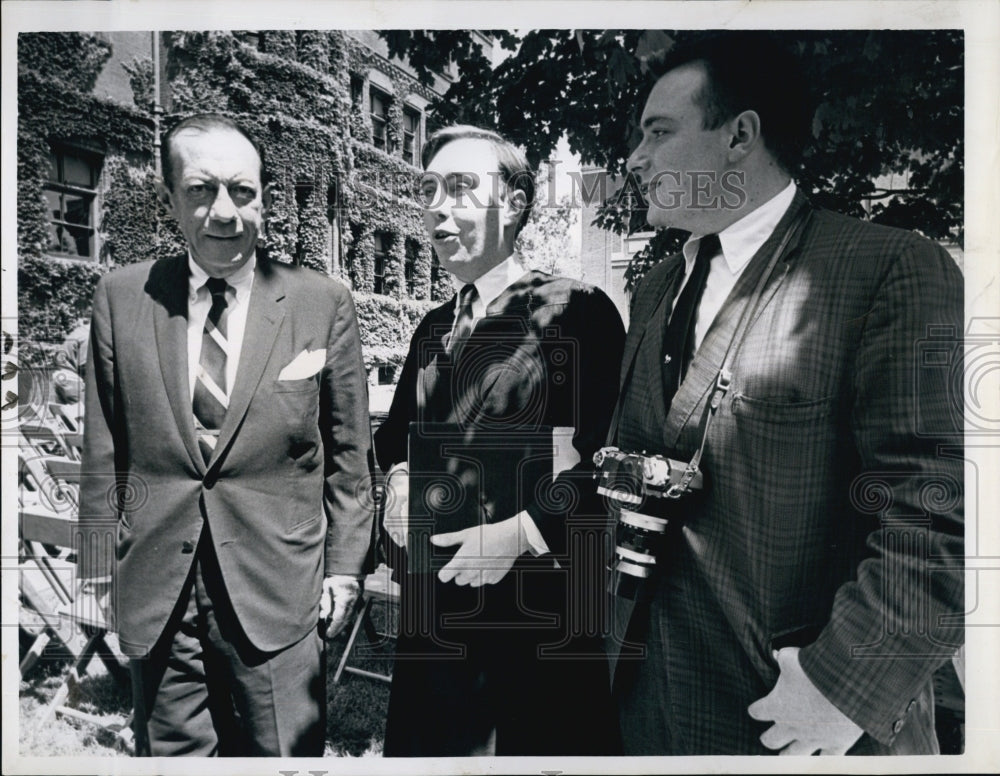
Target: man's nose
(223,207)
(439,207)
(636,160)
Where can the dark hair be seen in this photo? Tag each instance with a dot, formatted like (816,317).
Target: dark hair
(750,70)
(203,122)
(512,163)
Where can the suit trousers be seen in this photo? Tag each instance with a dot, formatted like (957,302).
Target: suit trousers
(205,690)
(493,671)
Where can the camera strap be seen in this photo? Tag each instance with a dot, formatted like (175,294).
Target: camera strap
(725,377)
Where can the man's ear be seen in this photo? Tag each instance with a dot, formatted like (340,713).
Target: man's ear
(164,194)
(744,134)
(517,201)
(265,197)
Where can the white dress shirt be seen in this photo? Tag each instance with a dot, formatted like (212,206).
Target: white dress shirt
(200,302)
(739,241)
(489,286)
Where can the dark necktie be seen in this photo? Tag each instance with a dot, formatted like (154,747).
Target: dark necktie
(463,320)
(211,397)
(678,340)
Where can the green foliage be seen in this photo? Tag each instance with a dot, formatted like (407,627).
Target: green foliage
(52,296)
(545,242)
(312,49)
(32,209)
(48,110)
(140,78)
(214,71)
(281,43)
(293,94)
(386,326)
(75,58)
(889,102)
(134,225)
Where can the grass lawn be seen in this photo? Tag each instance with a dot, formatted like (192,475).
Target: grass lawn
(356,705)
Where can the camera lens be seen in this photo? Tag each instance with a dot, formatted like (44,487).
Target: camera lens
(639,537)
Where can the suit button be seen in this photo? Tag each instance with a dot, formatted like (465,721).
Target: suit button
(187,547)
(897,726)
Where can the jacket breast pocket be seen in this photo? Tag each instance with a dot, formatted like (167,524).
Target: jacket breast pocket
(776,411)
(786,454)
(298,403)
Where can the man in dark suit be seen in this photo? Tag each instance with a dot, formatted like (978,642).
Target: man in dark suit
(226,395)
(806,594)
(500,651)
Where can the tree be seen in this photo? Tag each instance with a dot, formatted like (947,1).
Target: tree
(889,102)
(545,243)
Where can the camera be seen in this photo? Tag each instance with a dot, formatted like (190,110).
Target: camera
(652,483)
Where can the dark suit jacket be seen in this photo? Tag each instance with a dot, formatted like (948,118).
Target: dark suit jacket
(833,512)
(545,355)
(281,492)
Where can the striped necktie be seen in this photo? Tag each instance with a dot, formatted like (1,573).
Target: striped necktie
(211,395)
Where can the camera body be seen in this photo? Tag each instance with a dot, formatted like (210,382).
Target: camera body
(633,481)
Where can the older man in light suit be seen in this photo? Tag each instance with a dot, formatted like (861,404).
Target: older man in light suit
(226,443)
(808,591)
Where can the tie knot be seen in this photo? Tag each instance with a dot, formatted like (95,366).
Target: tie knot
(217,286)
(467,295)
(708,247)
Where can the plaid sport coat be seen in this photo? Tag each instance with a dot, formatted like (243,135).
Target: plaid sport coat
(832,516)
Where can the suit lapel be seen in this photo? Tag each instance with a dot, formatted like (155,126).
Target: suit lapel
(429,374)
(705,367)
(649,343)
(170,321)
(263,322)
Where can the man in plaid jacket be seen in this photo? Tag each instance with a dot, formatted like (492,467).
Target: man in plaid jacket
(815,582)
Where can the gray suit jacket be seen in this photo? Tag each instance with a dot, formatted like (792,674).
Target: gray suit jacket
(281,491)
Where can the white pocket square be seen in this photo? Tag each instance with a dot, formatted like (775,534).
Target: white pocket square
(305,364)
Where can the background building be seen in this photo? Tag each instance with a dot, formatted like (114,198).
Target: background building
(341,125)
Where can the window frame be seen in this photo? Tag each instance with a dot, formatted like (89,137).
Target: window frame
(94,160)
(411,137)
(380,257)
(379,121)
(410,252)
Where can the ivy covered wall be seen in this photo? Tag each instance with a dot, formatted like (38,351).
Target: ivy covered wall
(292,90)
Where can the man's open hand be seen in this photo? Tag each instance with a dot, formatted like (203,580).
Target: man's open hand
(485,552)
(805,722)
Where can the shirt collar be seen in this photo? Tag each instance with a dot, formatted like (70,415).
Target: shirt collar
(492,283)
(240,281)
(742,239)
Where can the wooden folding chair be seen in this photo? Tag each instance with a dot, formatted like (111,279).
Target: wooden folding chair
(48,538)
(378,588)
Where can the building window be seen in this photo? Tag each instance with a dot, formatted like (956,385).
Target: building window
(411,134)
(357,89)
(386,374)
(251,39)
(435,276)
(378,265)
(71,191)
(410,268)
(379,102)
